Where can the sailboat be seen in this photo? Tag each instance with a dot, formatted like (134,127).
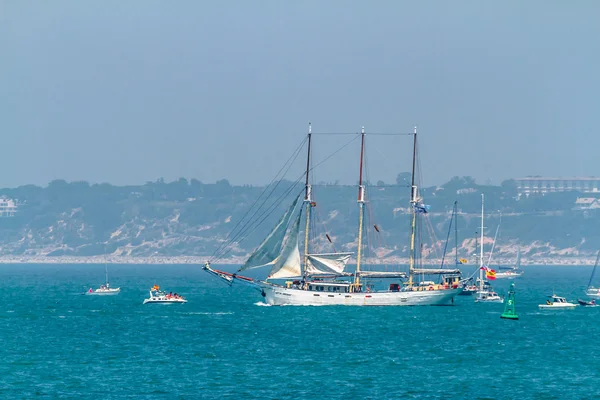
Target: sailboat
(321,278)
(511,272)
(486,293)
(591,290)
(104,289)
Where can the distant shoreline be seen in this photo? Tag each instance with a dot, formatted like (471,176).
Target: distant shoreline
(200,260)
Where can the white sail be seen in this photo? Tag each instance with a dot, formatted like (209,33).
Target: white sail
(327,263)
(270,248)
(288,264)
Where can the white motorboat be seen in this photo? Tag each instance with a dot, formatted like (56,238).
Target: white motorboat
(555,302)
(158,296)
(488,296)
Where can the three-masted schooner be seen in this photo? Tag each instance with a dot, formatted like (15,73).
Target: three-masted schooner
(321,278)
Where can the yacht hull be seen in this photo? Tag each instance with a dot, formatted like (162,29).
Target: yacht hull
(110,292)
(502,275)
(593,292)
(163,301)
(279,296)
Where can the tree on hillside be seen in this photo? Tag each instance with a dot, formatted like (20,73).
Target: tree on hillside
(403,179)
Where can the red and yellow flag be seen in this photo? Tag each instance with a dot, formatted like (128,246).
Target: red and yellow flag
(490,274)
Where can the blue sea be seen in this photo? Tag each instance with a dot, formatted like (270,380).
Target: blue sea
(225,344)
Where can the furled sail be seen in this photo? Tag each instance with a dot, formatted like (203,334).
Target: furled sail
(288,264)
(381,274)
(438,271)
(327,263)
(270,248)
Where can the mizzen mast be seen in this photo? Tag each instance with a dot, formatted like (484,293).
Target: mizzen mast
(361,207)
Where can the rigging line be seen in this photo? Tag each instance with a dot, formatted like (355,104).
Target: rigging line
(448,236)
(290,161)
(224,248)
(370,133)
(334,153)
(494,244)
(240,234)
(267,215)
(243,234)
(319,163)
(246,230)
(319,218)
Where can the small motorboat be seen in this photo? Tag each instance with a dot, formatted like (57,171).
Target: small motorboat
(103,290)
(158,296)
(468,289)
(488,296)
(590,303)
(555,302)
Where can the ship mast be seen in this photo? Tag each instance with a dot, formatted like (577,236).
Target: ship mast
(361,207)
(413,203)
(481,250)
(307,200)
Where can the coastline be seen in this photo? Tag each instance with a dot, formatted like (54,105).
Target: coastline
(200,260)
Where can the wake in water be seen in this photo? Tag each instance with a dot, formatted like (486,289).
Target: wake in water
(261,304)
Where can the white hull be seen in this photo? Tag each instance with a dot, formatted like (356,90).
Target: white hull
(279,296)
(564,306)
(593,292)
(506,275)
(104,292)
(159,300)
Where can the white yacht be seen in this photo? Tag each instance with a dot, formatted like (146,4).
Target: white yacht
(104,290)
(591,290)
(486,294)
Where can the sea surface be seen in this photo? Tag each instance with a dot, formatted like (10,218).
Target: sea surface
(225,344)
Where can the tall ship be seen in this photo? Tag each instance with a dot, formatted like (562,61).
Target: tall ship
(314,278)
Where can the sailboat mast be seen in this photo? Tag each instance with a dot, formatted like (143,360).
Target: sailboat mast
(413,203)
(455,211)
(481,249)
(361,206)
(307,200)
(106,272)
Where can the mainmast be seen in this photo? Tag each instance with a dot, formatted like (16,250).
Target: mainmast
(307,200)
(413,203)
(481,249)
(361,207)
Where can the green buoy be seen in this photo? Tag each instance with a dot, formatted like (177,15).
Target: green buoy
(509,307)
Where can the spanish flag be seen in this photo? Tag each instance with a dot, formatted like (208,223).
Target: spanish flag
(490,274)
(462,261)
(155,287)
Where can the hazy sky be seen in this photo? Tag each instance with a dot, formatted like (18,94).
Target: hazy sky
(130,91)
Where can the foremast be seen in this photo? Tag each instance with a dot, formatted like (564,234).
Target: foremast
(361,208)
(307,203)
(413,203)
